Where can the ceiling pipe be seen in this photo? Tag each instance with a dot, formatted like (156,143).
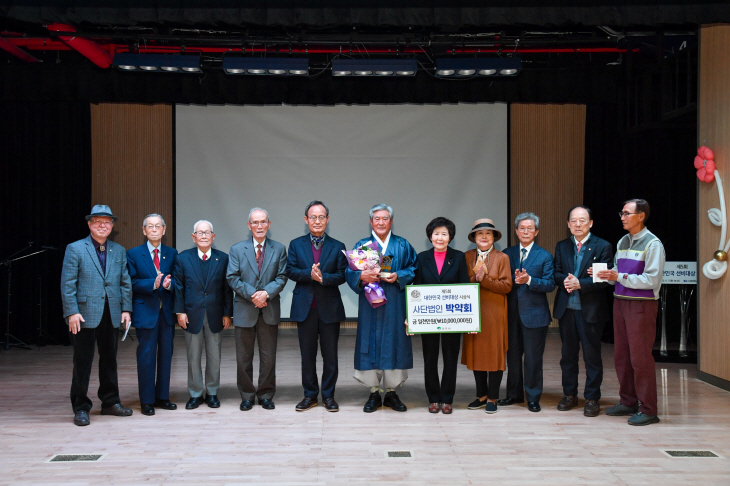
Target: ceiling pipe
(88,48)
(16,51)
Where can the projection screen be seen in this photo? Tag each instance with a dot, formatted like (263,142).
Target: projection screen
(424,161)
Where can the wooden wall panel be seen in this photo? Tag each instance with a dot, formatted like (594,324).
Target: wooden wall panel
(547,155)
(714,132)
(132,166)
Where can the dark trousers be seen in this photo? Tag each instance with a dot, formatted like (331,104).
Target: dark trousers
(634,329)
(574,332)
(154,360)
(450,344)
(530,343)
(488,383)
(310,330)
(246,337)
(106,337)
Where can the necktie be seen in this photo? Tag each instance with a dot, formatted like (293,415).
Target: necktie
(205,257)
(579,245)
(317,241)
(522,258)
(102,258)
(156,259)
(259,256)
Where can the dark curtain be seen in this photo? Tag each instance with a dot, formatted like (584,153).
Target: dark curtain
(46,192)
(84,82)
(375,13)
(652,162)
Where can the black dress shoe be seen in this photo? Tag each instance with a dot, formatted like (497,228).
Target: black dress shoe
(374,402)
(533,406)
(267,403)
(568,402)
(306,404)
(391,400)
(331,405)
(165,404)
(246,405)
(212,401)
(117,409)
(194,403)
(148,409)
(503,402)
(81,418)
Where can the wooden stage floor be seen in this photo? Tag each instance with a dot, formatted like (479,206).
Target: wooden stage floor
(283,447)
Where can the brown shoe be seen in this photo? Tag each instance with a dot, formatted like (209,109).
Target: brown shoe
(433,408)
(592,408)
(567,403)
(446,408)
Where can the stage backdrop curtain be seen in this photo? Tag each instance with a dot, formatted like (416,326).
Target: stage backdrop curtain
(46,192)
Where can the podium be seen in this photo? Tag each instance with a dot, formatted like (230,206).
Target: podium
(683,274)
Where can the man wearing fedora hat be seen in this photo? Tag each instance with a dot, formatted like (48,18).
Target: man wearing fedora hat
(96,293)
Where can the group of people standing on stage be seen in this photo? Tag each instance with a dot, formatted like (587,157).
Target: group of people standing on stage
(205,291)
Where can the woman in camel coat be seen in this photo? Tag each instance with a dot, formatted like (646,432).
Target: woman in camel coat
(484,353)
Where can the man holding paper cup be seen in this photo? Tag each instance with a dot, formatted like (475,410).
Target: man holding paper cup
(637,277)
(97,297)
(582,308)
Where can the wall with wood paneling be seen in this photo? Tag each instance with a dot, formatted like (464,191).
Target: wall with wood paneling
(714,132)
(547,155)
(132,166)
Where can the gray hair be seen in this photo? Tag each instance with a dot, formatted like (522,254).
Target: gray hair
(153,215)
(381,207)
(525,216)
(257,209)
(195,226)
(317,203)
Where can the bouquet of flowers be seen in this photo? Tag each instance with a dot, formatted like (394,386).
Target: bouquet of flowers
(367,257)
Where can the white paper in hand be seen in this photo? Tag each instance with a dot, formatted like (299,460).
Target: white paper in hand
(126,331)
(597,267)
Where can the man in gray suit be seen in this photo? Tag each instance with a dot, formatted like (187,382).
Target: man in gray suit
(257,274)
(96,293)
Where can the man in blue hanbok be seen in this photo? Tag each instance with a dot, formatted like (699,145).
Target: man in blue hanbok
(383,350)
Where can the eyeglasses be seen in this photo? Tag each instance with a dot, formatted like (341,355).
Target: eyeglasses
(102,223)
(258,223)
(622,214)
(384,220)
(203,233)
(155,226)
(317,218)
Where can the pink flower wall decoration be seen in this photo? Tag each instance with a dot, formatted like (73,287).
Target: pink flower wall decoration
(705,164)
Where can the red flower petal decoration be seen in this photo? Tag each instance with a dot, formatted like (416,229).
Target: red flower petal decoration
(705,164)
(705,153)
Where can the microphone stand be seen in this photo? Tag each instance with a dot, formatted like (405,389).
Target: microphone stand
(8,262)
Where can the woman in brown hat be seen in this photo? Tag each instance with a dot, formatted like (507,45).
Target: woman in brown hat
(484,353)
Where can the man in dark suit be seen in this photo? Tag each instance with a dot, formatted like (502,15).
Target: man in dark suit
(204,306)
(582,308)
(317,264)
(150,268)
(528,313)
(97,296)
(257,274)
